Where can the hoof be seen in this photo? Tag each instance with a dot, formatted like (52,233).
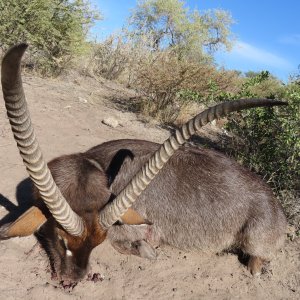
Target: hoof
(255,265)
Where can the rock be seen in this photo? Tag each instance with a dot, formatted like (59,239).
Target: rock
(111,122)
(82,100)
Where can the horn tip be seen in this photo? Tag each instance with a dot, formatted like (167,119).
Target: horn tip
(281,102)
(13,56)
(15,51)
(11,62)
(4,231)
(275,102)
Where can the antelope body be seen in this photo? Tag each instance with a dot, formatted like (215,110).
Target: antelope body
(140,194)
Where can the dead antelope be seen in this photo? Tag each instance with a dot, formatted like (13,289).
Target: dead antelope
(188,197)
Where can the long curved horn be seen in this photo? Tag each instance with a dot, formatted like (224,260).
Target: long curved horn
(27,143)
(114,210)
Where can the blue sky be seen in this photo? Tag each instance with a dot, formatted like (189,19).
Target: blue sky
(267,32)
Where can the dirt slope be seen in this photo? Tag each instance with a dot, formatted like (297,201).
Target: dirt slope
(67,115)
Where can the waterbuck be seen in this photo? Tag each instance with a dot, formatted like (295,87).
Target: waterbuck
(140,194)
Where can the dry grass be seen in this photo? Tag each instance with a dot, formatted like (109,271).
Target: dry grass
(163,80)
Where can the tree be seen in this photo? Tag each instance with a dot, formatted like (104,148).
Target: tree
(168,23)
(296,77)
(55,29)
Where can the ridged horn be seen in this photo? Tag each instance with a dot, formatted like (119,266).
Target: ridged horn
(115,209)
(27,143)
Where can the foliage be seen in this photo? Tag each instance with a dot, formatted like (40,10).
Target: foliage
(159,79)
(270,142)
(169,24)
(295,78)
(108,59)
(246,90)
(209,89)
(167,84)
(117,58)
(55,29)
(267,140)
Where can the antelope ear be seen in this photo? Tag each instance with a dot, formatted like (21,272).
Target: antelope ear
(116,163)
(29,222)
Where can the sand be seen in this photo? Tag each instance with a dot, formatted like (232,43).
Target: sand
(67,114)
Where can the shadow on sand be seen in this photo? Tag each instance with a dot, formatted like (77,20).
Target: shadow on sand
(24,199)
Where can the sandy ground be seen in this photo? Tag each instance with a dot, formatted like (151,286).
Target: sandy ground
(67,115)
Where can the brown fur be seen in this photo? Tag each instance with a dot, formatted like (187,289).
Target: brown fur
(84,184)
(201,200)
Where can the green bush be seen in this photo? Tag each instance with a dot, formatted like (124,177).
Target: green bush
(55,29)
(267,140)
(270,142)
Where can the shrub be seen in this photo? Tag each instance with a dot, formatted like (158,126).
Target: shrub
(116,58)
(270,142)
(267,140)
(168,83)
(159,80)
(108,59)
(55,29)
